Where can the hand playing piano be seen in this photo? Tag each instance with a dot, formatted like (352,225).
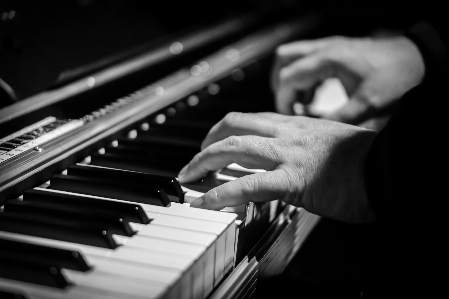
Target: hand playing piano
(311,163)
(374,71)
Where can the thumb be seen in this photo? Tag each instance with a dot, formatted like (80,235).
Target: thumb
(259,187)
(355,111)
(285,98)
(301,76)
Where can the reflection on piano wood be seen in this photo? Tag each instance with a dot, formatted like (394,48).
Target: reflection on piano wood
(91,204)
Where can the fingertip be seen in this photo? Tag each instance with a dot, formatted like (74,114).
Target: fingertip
(197,203)
(280,50)
(181,175)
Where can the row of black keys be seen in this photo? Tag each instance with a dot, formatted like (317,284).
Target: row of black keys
(161,151)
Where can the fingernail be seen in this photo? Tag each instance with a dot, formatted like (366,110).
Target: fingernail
(197,203)
(182,173)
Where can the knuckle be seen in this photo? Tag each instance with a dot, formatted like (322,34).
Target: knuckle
(274,149)
(276,130)
(337,40)
(284,74)
(196,162)
(197,158)
(215,195)
(213,198)
(292,179)
(249,186)
(233,142)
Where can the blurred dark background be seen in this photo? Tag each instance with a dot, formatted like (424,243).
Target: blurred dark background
(42,42)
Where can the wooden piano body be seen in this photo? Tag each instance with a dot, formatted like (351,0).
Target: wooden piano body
(137,96)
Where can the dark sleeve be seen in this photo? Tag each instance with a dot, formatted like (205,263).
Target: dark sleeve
(404,167)
(433,47)
(406,178)
(406,156)
(407,186)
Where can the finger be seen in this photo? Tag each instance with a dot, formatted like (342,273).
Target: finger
(240,124)
(274,77)
(284,99)
(298,122)
(302,75)
(306,73)
(259,187)
(276,117)
(248,151)
(288,53)
(297,49)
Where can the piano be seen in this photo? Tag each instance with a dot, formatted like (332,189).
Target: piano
(90,203)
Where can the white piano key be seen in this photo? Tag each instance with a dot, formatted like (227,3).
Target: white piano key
(227,218)
(216,228)
(176,234)
(43,292)
(221,224)
(185,211)
(194,251)
(235,166)
(140,272)
(209,270)
(205,221)
(205,239)
(115,283)
(190,195)
(187,223)
(144,258)
(230,249)
(225,177)
(168,246)
(237,209)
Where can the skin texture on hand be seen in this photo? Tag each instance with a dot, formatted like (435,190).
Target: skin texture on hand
(311,163)
(375,72)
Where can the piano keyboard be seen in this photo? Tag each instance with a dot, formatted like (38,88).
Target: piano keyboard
(192,249)
(118,224)
(122,222)
(156,247)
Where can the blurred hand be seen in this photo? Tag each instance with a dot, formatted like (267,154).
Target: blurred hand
(374,71)
(311,163)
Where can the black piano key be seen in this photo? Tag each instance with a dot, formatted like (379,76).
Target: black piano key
(17,269)
(234,173)
(9,145)
(178,132)
(112,189)
(35,225)
(132,212)
(113,223)
(37,254)
(157,146)
(29,136)
(193,126)
(205,184)
(176,158)
(18,141)
(169,184)
(131,163)
(10,294)
(164,140)
(169,163)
